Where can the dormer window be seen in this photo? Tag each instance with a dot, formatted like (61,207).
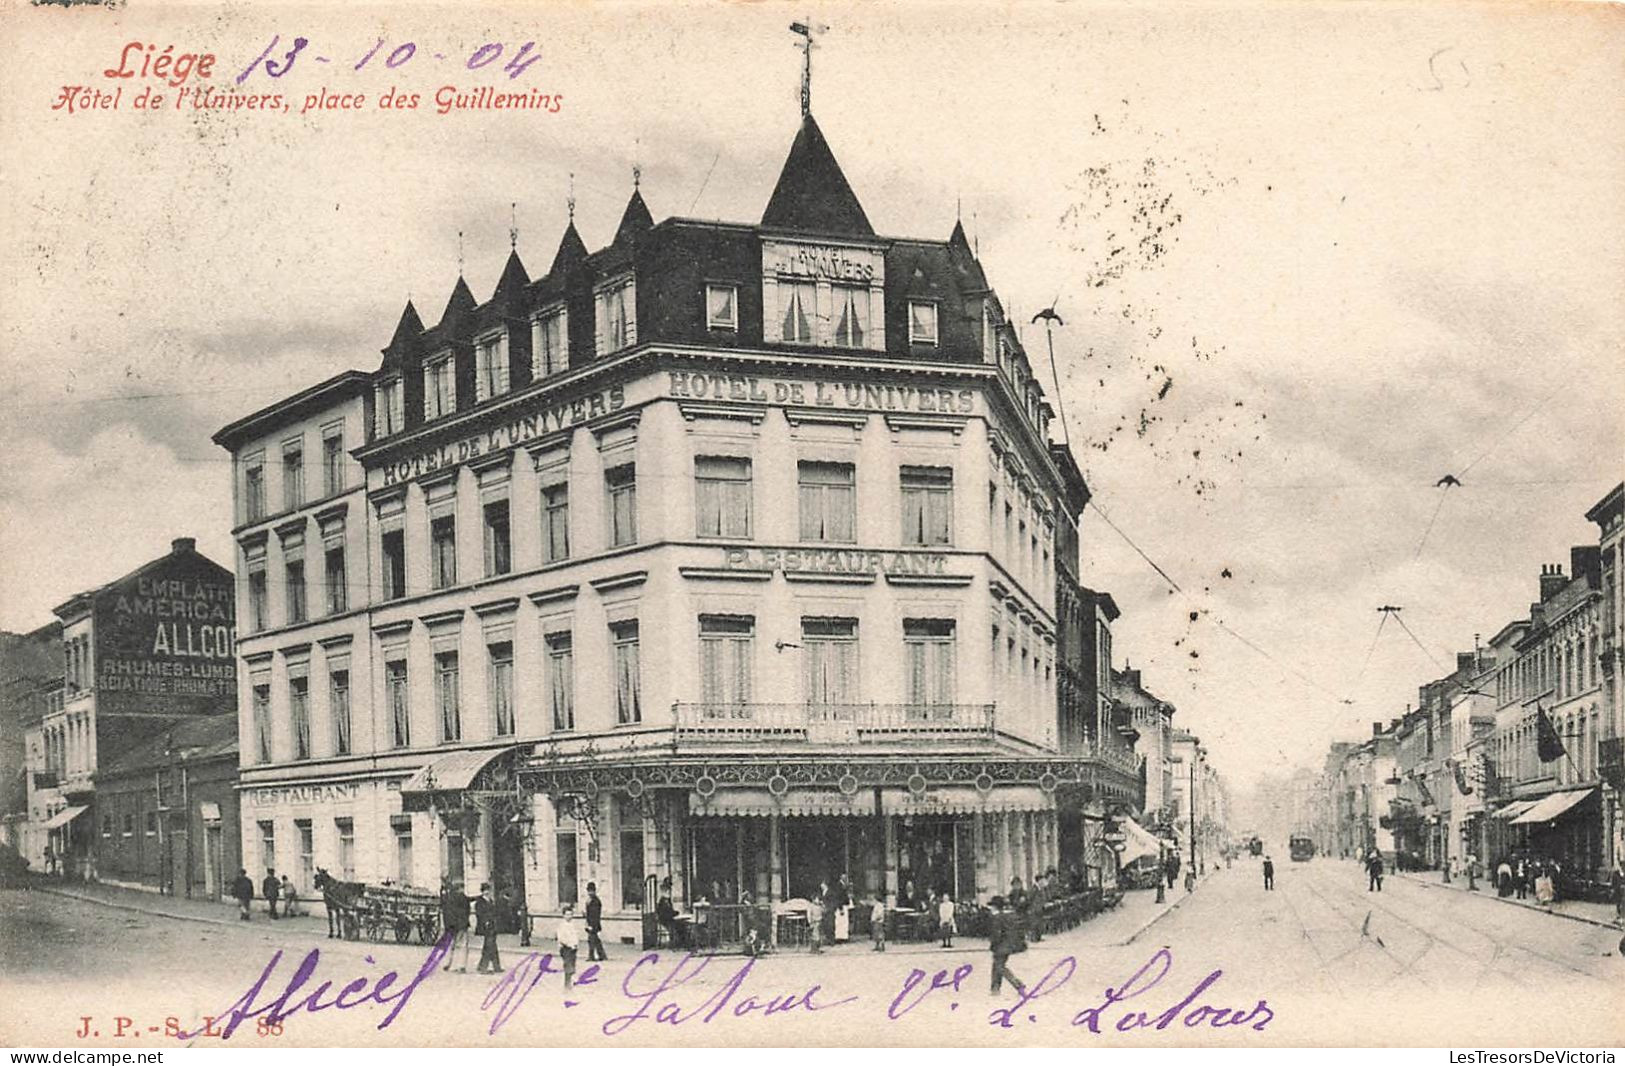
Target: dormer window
(851,315)
(390,412)
(799,300)
(616,317)
(722,307)
(922,322)
(491,366)
(549,341)
(439,388)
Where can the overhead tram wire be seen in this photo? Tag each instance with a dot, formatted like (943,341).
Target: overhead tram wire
(1220,623)
(1369,651)
(1417,642)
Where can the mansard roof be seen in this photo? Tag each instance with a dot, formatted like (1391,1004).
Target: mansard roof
(511,286)
(812,194)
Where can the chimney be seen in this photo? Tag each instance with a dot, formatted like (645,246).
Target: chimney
(1376,729)
(1466,661)
(1585,560)
(1551,580)
(182,545)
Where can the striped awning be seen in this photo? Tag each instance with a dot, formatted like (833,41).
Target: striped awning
(798,802)
(966,799)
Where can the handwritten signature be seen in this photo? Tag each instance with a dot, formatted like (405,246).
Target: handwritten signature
(675,991)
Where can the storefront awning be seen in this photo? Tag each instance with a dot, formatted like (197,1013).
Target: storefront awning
(805,803)
(1515,808)
(1552,806)
(965,799)
(64,816)
(450,773)
(1139,843)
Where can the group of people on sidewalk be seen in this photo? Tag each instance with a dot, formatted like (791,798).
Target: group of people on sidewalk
(272,889)
(1527,876)
(455,906)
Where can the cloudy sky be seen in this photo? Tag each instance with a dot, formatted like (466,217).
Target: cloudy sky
(1310,259)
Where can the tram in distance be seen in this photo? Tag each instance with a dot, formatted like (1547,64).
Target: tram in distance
(1302,848)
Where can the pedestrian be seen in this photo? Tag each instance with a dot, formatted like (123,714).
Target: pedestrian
(877,922)
(454,916)
(1004,940)
(945,919)
(1503,879)
(1545,886)
(50,861)
(485,925)
(1373,871)
(1269,874)
(1520,877)
(290,898)
(243,890)
(815,924)
(842,918)
(595,924)
(271,888)
(1170,867)
(569,938)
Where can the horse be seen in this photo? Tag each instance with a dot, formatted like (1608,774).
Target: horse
(339,898)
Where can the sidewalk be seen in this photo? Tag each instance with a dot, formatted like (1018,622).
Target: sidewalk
(1575,910)
(1121,925)
(311,920)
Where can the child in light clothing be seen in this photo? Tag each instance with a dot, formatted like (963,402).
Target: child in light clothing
(877,923)
(945,919)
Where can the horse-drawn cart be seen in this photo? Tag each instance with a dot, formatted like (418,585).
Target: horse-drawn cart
(399,912)
(379,912)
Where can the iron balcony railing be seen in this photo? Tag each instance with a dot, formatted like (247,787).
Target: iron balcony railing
(833,723)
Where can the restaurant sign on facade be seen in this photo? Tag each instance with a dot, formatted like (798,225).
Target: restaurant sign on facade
(297,795)
(837,561)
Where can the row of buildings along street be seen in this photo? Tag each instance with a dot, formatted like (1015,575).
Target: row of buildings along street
(1514,755)
(725,563)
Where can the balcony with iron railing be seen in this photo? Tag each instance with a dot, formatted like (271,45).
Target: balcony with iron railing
(833,723)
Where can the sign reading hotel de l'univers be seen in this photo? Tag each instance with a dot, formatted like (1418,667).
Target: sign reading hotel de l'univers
(165,641)
(553,414)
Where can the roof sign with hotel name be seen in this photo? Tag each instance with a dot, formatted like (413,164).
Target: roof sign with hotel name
(822,261)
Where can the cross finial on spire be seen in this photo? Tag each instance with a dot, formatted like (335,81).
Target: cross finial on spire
(637,175)
(459,253)
(513,226)
(805,31)
(570,203)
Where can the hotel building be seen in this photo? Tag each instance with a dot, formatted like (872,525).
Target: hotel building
(728,554)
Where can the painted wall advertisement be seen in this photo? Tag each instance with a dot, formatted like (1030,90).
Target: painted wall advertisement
(165,643)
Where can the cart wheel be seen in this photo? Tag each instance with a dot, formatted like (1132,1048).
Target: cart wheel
(403,930)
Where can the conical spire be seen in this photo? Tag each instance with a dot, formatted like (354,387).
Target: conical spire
(635,220)
(513,280)
(572,251)
(813,194)
(458,308)
(408,328)
(960,253)
(407,331)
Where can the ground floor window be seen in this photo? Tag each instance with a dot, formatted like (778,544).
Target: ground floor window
(346,833)
(936,855)
(565,851)
(268,845)
(631,866)
(403,854)
(307,856)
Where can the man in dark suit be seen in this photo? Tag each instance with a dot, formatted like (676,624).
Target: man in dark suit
(454,913)
(485,926)
(595,925)
(1004,940)
(271,888)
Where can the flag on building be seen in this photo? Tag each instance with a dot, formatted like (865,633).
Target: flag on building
(1461,778)
(1548,745)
